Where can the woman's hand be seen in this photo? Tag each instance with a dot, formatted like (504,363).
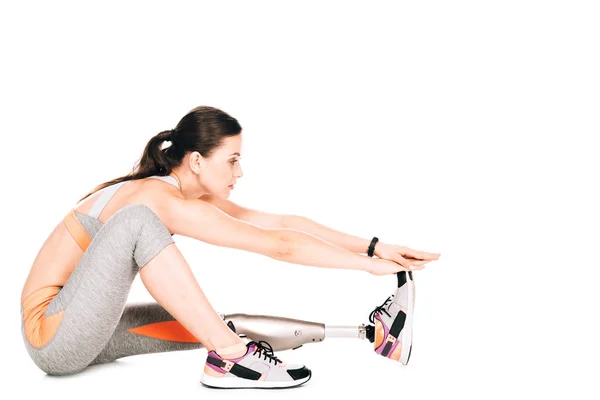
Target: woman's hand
(380,266)
(410,259)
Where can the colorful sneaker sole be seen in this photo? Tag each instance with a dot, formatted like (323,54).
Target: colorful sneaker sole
(234,382)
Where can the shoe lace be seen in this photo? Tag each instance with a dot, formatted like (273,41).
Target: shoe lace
(265,349)
(379,309)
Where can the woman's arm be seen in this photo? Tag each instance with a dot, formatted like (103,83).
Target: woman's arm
(200,220)
(295,222)
(256,217)
(340,239)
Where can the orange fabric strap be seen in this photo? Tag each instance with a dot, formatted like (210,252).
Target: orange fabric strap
(77,230)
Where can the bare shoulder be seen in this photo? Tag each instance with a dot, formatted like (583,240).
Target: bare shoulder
(161,197)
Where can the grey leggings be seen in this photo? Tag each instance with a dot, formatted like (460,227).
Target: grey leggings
(95,323)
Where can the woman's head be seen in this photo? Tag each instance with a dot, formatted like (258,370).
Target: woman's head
(204,154)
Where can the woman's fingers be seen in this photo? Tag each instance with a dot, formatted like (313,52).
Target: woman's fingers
(421,255)
(397,264)
(410,264)
(402,261)
(416,264)
(385,267)
(400,267)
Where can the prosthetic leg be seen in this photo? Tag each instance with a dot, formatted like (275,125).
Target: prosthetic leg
(391,323)
(287,333)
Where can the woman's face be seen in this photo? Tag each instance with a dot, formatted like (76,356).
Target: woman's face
(223,168)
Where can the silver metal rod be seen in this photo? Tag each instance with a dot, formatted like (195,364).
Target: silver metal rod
(346,331)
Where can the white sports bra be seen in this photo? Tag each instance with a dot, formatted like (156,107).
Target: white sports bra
(109,191)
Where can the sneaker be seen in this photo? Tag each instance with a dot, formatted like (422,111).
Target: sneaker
(258,368)
(393,321)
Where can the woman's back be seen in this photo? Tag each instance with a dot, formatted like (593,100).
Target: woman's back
(61,252)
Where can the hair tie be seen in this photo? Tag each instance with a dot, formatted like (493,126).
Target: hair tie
(168,137)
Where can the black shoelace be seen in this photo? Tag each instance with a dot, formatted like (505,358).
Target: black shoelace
(264,348)
(379,309)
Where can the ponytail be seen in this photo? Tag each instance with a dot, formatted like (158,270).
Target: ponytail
(154,161)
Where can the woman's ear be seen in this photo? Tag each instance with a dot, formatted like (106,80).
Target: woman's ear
(196,161)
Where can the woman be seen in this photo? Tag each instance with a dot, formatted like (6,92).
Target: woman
(73,301)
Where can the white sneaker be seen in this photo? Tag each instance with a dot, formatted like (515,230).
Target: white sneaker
(258,368)
(394,320)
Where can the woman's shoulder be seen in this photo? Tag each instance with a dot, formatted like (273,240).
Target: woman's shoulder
(157,192)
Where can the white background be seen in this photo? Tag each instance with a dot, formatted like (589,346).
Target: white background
(468,128)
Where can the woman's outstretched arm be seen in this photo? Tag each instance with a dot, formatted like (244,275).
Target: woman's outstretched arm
(269,220)
(340,239)
(202,221)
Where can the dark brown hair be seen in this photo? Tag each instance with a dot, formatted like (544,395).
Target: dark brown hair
(202,129)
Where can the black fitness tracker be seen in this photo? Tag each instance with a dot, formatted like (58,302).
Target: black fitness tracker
(372,246)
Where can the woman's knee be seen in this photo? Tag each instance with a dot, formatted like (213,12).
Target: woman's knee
(148,233)
(135,211)
(153,236)
(137,218)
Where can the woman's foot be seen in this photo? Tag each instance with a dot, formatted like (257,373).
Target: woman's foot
(257,368)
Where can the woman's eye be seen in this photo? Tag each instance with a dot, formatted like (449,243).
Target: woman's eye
(233,161)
